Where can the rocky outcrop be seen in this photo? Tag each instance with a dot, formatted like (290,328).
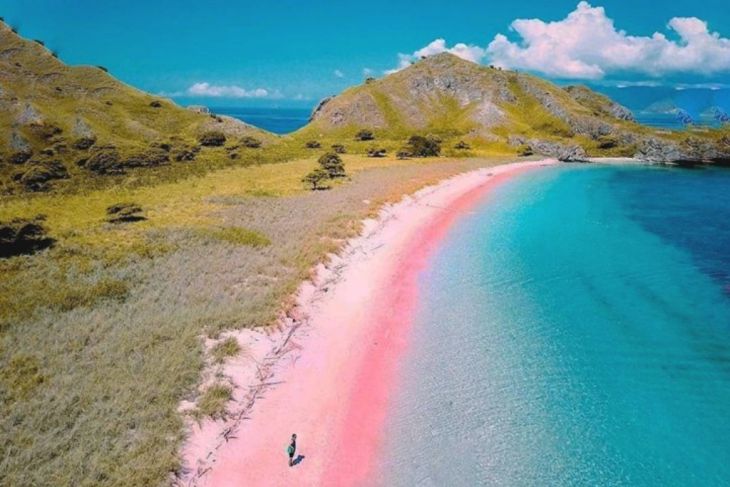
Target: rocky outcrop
(319,107)
(691,151)
(594,101)
(23,236)
(560,151)
(199,109)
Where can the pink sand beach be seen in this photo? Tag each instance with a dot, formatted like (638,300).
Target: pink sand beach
(328,371)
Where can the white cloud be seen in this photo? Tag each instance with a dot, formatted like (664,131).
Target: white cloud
(339,74)
(587,45)
(469,52)
(205,89)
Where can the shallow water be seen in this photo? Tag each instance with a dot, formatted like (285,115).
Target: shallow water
(574,329)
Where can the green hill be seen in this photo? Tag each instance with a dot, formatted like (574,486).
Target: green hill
(54,119)
(449,97)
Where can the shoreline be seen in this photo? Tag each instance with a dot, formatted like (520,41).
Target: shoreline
(326,372)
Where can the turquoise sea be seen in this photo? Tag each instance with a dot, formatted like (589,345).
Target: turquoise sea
(574,329)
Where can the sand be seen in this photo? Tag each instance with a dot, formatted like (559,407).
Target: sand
(327,372)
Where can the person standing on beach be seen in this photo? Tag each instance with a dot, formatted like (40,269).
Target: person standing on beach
(291,449)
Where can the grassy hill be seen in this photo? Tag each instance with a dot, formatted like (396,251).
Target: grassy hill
(490,108)
(63,126)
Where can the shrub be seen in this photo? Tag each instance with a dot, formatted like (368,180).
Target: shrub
(524,150)
(332,163)
(213,138)
(402,154)
(39,175)
(461,145)
(369,80)
(339,148)
(315,178)
(124,213)
(83,143)
(155,104)
(364,135)
(420,146)
(21,156)
(376,152)
(313,144)
(105,162)
(184,155)
(607,142)
(147,158)
(22,236)
(250,142)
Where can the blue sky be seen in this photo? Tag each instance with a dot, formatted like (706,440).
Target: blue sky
(295,52)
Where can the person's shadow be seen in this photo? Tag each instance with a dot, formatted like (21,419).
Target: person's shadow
(297,460)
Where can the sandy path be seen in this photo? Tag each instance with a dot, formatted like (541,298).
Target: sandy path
(327,375)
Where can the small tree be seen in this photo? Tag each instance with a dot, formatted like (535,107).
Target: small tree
(313,144)
(364,135)
(315,178)
(420,146)
(333,165)
(339,148)
(402,154)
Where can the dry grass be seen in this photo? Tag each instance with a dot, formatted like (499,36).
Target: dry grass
(225,349)
(212,402)
(100,337)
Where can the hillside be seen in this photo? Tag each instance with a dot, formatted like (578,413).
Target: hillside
(59,123)
(449,97)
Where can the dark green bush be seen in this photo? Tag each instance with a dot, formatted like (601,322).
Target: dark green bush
(339,148)
(420,146)
(313,144)
(461,145)
(376,152)
(525,150)
(364,135)
(83,143)
(250,142)
(213,138)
